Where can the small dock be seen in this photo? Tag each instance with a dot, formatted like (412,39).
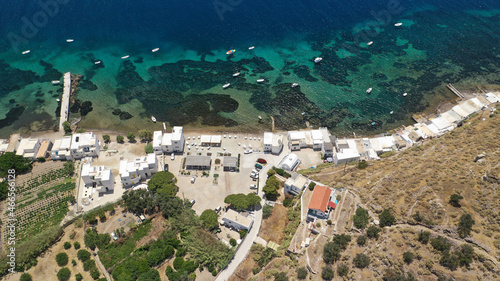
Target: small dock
(455,91)
(65,100)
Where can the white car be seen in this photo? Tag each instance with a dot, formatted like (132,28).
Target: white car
(193,179)
(172,157)
(253,186)
(248,151)
(252,174)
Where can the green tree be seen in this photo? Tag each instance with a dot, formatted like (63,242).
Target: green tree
(302,273)
(361,218)
(408,257)
(76,245)
(241,201)
(67,245)
(372,232)
(280,276)
(454,200)
(25,277)
(106,138)
(209,219)
(271,188)
(327,273)
(465,225)
(342,240)
(145,135)
(83,255)
(69,168)
(66,127)
(441,244)
(4,190)
(361,240)
(62,259)
(267,211)
(131,137)
(78,277)
(232,242)
(149,148)
(119,139)
(150,275)
(12,161)
(386,218)
(63,274)
(163,182)
(449,260)
(361,260)
(362,165)
(312,185)
(342,269)
(423,236)
(465,255)
(178,262)
(331,252)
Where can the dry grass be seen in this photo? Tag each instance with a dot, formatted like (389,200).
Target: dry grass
(272,228)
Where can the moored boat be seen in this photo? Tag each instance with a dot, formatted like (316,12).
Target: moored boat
(97,62)
(317,60)
(226,85)
(251,48)
(260,80)
(236,74)
(70,40)
(155,50)
(405,94)
(398,24)
(55,82)
(295,85)
(369,43)
(153,119)
(125,57)
(230,52)
(26,52)
(369,90)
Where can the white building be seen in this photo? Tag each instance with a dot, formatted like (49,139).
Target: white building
(299,139)
(383,144)
(166,143)
(157,138)
(84,145)
(211,140)
(28,148)
(296,183)
(289,162)
(346,151)
(98,177)
(132,172)
(172,142)
(273,143)
(61,150)
(4,144)
(237,221)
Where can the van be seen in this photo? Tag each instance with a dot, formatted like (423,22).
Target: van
(218,209)
(193,179)
(192,202)
(172,157)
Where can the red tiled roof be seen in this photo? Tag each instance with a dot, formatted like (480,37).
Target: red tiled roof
(320,198)
(332,205)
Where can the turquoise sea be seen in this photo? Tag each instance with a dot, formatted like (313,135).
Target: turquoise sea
(439,42)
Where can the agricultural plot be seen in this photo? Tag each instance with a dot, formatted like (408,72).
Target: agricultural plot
(41,199)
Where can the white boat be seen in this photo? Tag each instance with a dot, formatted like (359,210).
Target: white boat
(58,100)
(369,90)
(398,24)
(369,43)
(55,82)
(26,52)
(153,119)
(155,50)
(251,48)
(260,117)
(405,94)
(236,74)
(125,57)
(70,40)
(97,62)
(260,80)
(226,86)
(230,52)
(295,85)
(391,112)
(318,59)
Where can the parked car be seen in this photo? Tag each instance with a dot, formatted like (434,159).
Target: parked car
(172,157)
(248,151)
(252,174)
(165,167)
(262,161)
(193,179)
(218,209)
(258,166)
(255,171)
(253,186)
(192,202)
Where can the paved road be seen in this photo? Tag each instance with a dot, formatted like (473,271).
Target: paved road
(65,101)
(244,248)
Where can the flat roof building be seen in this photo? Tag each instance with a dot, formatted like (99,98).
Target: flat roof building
(289,162)
(132,172)
(198,162)
(230,163)
(61,150)
(235,220)
(45,147)
(84,145)
(157,138)
(28,148)
(296,183)
(100,178)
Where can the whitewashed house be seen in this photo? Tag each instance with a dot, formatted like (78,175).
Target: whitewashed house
(4,144)
(157,138)
(100,178)
(132,172)
(346,151)
(28,148)
(84,145)
(61,150)
(273,143)
(235,220)
(296,183)
(178,139)
(289,162)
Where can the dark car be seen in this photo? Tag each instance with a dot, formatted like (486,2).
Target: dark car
(165,167)
(262,161)
(258,166)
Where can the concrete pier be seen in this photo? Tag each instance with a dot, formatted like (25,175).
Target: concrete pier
(65,100)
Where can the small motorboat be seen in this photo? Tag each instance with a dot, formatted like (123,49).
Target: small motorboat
(153,119)
(398,24)
(230,52)
(97,62)
(55,82)
(226,86)
(317,60)
(369,90)
(58,100)
(295,85)
(26,52)
(155,50)
(391,112)
(125,57)
(405,94)
(369,43)
(260,80)
(70,40)
(251,48)
(373,123)
(260,117)
(236,74)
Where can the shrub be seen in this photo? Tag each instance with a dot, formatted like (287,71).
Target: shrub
(41,159)
(361,260)
(312,185)
(465,225)
(342,270)
(131,137)
(62,259)
(331,252)
(329,222)
(362,165)
(241,201)
(106,138)
(243,232)
(63,274)
(281,276)
(448,260)
(67,245)
(361,240)
(145,135)
(327,273)
(232,242)
(73,262)
(386,218)
(423,236)
(441,244)
(361,218)
(302,273)
(178,262)
(256,270)
(78,277)
(76,245)
(119,139)
(418,217)
(408,257)
(267,211)
(454,200)
(66,127)
(88,265)
(287,202)
(270,173)
(149,148)
(373,232)
(25,277)
(83,255)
